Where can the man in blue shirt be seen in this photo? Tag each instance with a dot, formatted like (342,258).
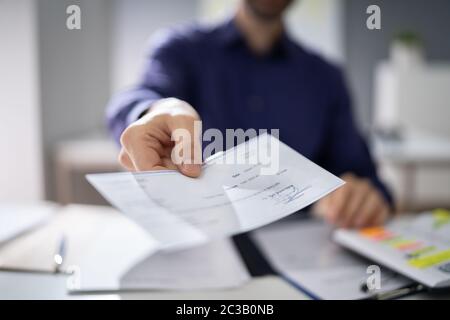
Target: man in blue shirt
(248,73)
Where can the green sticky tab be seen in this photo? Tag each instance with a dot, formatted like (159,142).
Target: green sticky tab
(430,260)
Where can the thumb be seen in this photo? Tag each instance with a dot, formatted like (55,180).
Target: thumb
(191,170)
(186,154)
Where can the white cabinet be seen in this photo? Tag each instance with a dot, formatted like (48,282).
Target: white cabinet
(415,98)
(416,101)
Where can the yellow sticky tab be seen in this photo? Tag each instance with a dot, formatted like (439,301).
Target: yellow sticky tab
(441,218)
(430,260)
(398,241)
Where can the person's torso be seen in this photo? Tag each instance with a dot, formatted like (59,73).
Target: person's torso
(232,88)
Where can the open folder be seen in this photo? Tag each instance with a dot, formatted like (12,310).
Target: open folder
(215,265)
(230,197)
(303,252)
(16,219)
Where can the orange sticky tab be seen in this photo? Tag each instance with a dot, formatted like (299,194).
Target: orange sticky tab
(409,246)
(376,233)
(371,231)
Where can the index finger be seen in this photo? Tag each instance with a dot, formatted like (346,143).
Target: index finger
(187,145)
(141,149)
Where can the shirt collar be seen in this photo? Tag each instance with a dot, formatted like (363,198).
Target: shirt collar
(230,36)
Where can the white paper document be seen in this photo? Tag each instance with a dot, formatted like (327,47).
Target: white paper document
(227,199)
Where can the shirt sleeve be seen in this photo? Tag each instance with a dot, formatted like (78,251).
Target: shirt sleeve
(165,74)
(345,149)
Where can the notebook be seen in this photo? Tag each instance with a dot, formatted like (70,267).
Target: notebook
(415,246)
(302,251)
(16,219)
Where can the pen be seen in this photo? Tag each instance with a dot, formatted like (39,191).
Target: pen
(59,256)
(24,270)
(398,293)
(58,259)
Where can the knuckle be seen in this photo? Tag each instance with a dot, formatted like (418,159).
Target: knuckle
(184,118)
(127,136)
(160,118)
(122,157)
(366,184)
(130,135)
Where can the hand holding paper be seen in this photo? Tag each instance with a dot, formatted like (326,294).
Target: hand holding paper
(225,200)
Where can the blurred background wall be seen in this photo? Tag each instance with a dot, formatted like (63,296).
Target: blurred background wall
(75,74)
(56,82)
(133,23)
(365,48)
(22,174)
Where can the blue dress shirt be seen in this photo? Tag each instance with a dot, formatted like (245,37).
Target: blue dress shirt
(289,88)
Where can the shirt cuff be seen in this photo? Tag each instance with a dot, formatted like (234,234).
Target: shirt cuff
(137,111)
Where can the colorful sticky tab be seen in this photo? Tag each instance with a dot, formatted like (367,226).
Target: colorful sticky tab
(441,218)
(376,233)
(430,260)
(398,241)
(409,245)
(420,252)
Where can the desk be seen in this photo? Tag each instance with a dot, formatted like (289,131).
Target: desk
(45,287)
(48,287)
(14,285)
(81,224)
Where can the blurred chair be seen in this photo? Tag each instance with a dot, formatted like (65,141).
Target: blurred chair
(74,159)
